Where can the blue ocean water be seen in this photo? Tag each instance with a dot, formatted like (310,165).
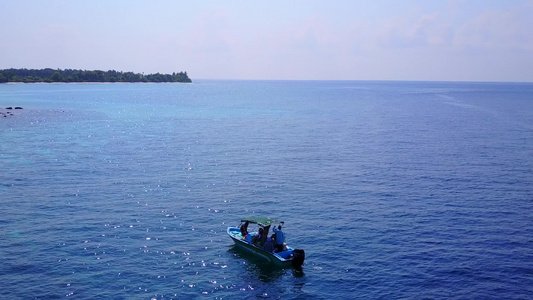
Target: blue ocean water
(417,190)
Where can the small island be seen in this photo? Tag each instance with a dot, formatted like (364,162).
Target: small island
(49,75)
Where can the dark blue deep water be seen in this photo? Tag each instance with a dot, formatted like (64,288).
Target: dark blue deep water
(396,190)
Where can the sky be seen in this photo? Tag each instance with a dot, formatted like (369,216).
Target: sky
(437,40)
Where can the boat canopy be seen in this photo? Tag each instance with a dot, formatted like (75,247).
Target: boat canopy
(261,221)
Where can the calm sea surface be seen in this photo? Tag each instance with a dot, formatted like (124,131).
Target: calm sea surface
(410,190)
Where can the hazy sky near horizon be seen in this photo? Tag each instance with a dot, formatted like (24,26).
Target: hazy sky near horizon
(458,40)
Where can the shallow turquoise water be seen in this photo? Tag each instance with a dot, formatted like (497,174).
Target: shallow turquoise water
(394,189)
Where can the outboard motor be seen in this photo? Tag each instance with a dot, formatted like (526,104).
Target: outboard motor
(298,257)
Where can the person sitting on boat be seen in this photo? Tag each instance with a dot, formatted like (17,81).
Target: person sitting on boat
(269,245)
(248,237)
(256,239)
(280,239)
(244,229)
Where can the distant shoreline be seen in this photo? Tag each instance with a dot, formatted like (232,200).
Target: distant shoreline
(94,82)
(49,75)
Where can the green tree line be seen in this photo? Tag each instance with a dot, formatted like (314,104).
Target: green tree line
(70,75)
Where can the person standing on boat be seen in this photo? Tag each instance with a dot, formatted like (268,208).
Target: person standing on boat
(280,239)
(244,229)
